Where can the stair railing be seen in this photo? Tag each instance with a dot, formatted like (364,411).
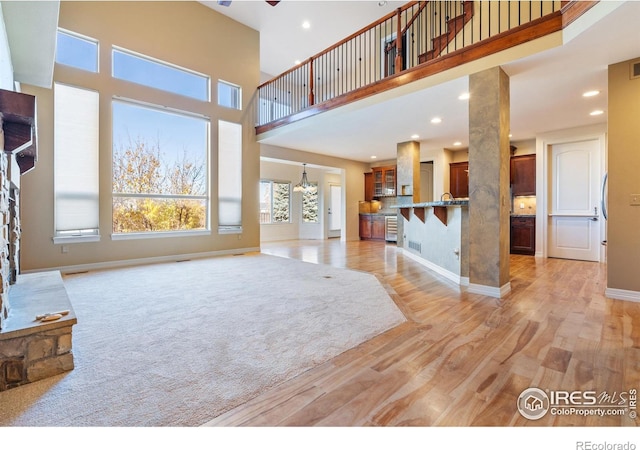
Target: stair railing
(415,34)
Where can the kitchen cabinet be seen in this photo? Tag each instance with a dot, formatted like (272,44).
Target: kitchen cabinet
(523,175)
(372,227)
(459,179)
(384,181)
(368,186)
(365,227)
(523,235)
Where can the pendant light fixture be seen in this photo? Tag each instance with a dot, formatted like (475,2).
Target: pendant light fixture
(304,183)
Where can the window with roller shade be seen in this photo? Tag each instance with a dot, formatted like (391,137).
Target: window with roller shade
(76,148)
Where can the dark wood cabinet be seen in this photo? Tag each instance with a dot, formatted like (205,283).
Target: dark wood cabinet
(459,179)
(523,175)
(368,186)
(523,235)
(365,227)
(384,181)
(377,227)
(372,227)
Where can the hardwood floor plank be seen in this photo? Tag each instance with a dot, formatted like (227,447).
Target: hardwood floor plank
(461,359)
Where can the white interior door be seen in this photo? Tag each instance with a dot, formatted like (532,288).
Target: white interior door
(334,211)
(574,221)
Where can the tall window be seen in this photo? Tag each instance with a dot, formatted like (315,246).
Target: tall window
(75,163)
(229,177)
(77,51)
(310,204)
(159,169)
(275,202)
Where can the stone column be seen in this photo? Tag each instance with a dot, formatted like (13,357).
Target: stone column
(407,179)
(489,199)
(4,271)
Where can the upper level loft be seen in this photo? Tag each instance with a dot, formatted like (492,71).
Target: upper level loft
(419,40)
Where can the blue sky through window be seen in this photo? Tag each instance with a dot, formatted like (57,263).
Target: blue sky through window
(76,51)
(175,133)
(150,73)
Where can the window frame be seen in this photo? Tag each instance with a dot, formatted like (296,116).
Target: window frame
(317,206)
(290,202)
(239,94)
(81,37)
(80,234)
(151,59)
(207,183)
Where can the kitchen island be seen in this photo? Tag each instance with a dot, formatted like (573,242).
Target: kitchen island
(436,234)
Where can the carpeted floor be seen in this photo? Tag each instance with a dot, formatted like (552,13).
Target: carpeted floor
(177,344)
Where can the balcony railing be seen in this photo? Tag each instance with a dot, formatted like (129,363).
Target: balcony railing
(417,34)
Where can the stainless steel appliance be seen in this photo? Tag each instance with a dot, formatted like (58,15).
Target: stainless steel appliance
(391,228)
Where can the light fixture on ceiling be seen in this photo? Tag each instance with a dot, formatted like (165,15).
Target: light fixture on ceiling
(306,25)
(415,136)
(464,96)
(597,112)
(457,143)
(382,3)
(304,183)
(436,120)
(590,93)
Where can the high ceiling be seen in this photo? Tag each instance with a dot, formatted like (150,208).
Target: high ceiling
(546,87)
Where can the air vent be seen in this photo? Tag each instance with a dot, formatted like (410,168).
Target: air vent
(417,246)
(635,69)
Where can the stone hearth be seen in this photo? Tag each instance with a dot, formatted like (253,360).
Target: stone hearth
(31,350)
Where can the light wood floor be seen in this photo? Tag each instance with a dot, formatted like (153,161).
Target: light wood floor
(461,359)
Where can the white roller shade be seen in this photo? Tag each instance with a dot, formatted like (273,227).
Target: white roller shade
(229,174)
(76,159)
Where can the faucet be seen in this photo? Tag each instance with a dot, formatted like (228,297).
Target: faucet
(446,193)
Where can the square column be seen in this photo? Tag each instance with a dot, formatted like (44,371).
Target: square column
(489,180)
(407,179)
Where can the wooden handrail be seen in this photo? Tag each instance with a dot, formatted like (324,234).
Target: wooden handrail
(360,65)
(348,38)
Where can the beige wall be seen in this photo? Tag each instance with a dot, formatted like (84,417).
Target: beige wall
(187,34)
(352,180)
(623,249)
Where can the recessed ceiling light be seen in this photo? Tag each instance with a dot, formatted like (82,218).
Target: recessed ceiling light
(590,93)
(597,112)
(464,96)
(457,143)
(414,136)
(373,156)
(306,25)
(436,120)
(297,62)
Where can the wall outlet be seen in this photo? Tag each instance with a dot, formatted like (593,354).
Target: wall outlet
(635,199)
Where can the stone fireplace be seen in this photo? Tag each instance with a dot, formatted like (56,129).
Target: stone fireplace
(32,347)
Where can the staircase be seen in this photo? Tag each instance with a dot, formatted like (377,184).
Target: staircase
(454,26)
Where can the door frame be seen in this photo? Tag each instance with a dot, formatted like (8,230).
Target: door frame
(544,144)
(329,205)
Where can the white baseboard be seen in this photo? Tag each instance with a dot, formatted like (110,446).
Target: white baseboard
(622,294)
(457,279)
(491,291)
(142,261)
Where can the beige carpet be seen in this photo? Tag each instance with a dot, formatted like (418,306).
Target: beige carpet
(178,344)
